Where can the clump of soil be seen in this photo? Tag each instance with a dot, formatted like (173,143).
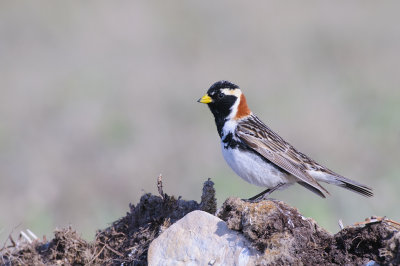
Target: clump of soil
(276,229)
(125,241)
(66,248)
(286,237)
(128,239)
(376,239)
(279,231)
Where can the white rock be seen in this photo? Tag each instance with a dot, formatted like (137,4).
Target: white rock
(200,238)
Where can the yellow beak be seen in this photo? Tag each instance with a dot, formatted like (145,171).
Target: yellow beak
(205,99)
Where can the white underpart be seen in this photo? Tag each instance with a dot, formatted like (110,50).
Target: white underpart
(229,126)
(253,169)
(324,177)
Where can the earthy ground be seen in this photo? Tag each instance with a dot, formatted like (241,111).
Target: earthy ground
(285,237)
(127,240)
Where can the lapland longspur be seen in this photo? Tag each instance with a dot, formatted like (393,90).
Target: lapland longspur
(259,155)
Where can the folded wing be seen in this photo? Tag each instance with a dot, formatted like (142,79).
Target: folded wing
(254,133)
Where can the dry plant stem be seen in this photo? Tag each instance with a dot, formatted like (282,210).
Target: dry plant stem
(112,250)
(97,255)
(377,220)
(393,222)
(160,186)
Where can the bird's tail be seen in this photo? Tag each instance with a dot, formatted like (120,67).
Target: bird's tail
(354,186)
(341,181)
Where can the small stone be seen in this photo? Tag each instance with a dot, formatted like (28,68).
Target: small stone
(200,238)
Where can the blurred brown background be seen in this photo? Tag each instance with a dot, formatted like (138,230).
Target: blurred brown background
(98,98)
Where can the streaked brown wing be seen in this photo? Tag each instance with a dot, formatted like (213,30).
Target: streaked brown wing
(262,139)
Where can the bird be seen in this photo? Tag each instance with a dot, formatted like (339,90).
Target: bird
(259,155)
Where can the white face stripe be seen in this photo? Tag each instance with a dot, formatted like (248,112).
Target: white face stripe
(235,92)
(234,108)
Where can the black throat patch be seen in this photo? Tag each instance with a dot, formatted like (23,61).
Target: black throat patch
(221,109)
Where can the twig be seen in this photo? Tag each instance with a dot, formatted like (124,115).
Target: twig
(27,238)
(113,250)
(340,224)
(371,220)
(391,221)
(159,186)
(98,254)
(32,234)
(11,239)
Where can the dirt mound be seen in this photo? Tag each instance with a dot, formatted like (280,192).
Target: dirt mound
(285,237)
(279,231)
(125,241)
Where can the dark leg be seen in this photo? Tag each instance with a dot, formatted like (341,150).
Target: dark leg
(265,193)
(260,194)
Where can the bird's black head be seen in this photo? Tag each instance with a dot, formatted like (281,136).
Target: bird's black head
(222,84)
(222,98)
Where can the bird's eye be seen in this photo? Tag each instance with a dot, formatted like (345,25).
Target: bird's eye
(221,95)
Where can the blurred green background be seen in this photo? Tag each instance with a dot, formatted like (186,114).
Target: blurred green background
(99,97)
